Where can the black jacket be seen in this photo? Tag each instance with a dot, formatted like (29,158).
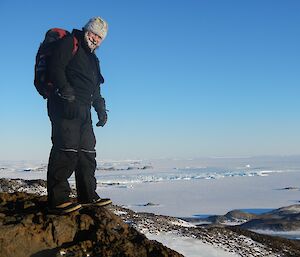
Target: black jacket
(80,71)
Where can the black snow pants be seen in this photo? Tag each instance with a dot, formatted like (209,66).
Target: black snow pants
(73,149)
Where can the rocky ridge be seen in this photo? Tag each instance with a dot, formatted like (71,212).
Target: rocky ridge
(90,231)
(229,238)
(26,229)
(282,219)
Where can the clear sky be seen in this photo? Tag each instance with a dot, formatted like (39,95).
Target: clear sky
(184,78)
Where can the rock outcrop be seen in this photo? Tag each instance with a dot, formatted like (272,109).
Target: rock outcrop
(26,229)
(232,216)
(282,219)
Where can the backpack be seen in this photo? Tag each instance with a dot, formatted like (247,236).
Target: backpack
(42,82)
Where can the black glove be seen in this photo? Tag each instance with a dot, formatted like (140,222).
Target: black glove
(68,103)
(102,117)
(100,108)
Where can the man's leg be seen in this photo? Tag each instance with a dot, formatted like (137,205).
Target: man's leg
(63,159)
(86,183)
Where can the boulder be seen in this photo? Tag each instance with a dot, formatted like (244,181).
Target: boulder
(26,229)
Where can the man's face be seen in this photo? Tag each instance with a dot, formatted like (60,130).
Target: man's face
(93,40)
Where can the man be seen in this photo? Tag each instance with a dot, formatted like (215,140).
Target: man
(77,80)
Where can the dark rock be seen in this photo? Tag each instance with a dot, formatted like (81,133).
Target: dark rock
(148,204)
(290,223)
(282,219)
(239,215)
(289,188)
(146,167)
(13,185)
(26,229)
(232,216)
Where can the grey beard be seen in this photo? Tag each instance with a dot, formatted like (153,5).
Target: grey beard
(91,45)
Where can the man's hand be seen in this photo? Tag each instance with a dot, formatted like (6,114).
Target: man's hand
(100,108)
(102,117)
(69,105)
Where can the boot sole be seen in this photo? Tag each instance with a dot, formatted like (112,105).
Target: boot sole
(99,204)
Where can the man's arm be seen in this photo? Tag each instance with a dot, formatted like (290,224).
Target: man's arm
(60,58)
(100,107)
(98,101)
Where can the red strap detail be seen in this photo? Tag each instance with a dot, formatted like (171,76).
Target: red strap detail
(61,32)
(75,48)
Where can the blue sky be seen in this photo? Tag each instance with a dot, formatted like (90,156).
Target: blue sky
(184,79)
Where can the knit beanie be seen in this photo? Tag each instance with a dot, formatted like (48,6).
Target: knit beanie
(98,26)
